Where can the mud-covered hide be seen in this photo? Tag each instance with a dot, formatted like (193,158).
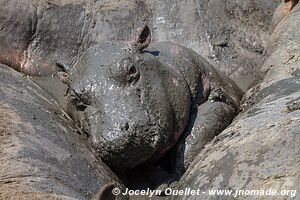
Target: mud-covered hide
(136,105)
(260,149)
(34,35)
(283,59)
(42,156)
(230,34)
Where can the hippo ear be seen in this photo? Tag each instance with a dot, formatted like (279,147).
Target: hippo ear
(293,3)
(63,72)
(142,39)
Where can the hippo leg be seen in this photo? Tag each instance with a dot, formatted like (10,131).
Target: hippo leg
(210,119)
(207,121)
(42,154)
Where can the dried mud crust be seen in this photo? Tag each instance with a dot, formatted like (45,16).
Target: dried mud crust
(90,5)
(260,149)
(14,185)
(15,175)
(42,155)
(234,40)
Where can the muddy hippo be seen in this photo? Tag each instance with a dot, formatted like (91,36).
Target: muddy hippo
(260,149)
(136,99)
(43,155)
(33,35)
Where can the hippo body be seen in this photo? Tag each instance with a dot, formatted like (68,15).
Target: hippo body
(33,36)
(34,39)
(260,149)
(42,154)
(135,103)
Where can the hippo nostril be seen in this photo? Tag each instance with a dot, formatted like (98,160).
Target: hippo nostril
(125,127)
(138,92)
(133,75)
(132,70)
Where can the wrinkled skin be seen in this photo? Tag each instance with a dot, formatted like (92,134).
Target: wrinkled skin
(33,37)
(43,51)
(43,155)
(35,34)
(260,149)
(122,115)
(136,104)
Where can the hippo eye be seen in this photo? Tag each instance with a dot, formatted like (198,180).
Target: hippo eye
(133,74)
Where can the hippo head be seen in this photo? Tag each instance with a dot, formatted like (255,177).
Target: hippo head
(132,106)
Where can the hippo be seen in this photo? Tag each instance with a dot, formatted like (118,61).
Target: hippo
(33,36)
(136,99)
(34,39)
(260,148)
(43,154)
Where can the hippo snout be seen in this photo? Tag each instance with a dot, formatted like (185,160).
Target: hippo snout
(126,146)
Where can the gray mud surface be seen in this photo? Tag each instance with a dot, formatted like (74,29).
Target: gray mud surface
(43,155)
(231,35)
